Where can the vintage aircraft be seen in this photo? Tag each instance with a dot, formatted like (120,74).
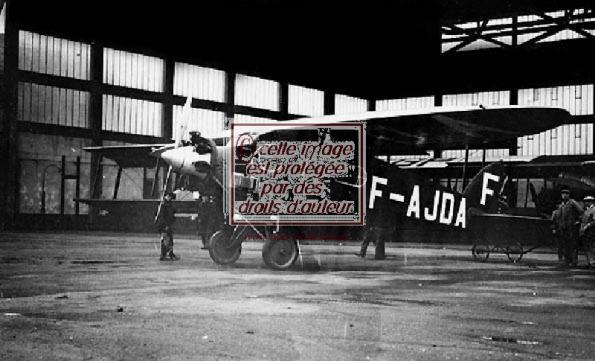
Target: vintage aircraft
(391,192)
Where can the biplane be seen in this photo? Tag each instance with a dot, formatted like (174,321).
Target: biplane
(391,193)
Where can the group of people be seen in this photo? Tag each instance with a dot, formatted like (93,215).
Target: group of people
(574,228)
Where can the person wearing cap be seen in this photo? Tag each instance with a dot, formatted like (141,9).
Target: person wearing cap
(210,206)
(567,221)
(587,229)
(165,221)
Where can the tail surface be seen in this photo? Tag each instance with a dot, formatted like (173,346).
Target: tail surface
(484,190)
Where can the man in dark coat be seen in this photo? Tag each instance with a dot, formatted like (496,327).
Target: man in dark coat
(568,215)
(587,230)
(165,221)
(210,208)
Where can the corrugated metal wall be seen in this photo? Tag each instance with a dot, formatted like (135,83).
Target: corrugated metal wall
(55,56)
(256,92)
(566,139)
(52,105)
(133,70)
(198,82)
(135,116)
(577,99)
(242,118)
(207,122)
(491,154)
(486,99)
(345,104)
(405,103)
(305,101)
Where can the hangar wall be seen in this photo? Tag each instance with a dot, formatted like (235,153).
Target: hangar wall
(69,94)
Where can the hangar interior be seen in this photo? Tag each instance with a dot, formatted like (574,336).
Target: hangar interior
(64,89)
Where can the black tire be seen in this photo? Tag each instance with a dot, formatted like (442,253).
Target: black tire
(219,248)
(515,252)
(279,254)
(480,252)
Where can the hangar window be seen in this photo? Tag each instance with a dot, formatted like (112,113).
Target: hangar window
(554,94)
(242,118)
(49,55)
(536,95)
(471,99)
(132,70)
(256,92)
(2,19)
(577,99)
(305,101)
(474,99)
(52,105)
(405,103)
(524,30)
(345,104)
(578,131)
(207,122)
(198,82)
(135,116)
(578,92)
(2,26)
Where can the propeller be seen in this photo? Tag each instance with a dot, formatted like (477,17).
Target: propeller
(180,131)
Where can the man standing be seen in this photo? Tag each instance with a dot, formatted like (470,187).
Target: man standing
(558,234)
(568,217)
(210,208)
(373,233)
(165,221)
(587,230)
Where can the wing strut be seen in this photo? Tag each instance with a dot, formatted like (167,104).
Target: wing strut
(465,166)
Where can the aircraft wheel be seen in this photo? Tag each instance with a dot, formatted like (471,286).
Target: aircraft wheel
(279,254)
(220,251)
(480,252)
(514,252)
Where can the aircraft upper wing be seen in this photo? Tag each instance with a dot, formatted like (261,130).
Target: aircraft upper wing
(133,155)
(402,132)
(397,132)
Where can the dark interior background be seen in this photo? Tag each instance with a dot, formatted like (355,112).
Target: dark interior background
(373,49)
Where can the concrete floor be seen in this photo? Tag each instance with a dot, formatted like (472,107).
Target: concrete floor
(107,297)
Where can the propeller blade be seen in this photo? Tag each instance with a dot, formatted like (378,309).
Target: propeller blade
(182,125)
(165,184)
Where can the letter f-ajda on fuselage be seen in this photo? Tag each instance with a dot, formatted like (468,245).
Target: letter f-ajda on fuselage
(403,193)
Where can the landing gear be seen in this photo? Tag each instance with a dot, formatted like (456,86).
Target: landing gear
(480,252)
(225,246)
(279,254)
(515,252)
